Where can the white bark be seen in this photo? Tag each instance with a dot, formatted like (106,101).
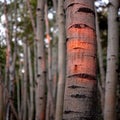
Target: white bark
(61,61)
(112,62)
(41,66)
(31,111)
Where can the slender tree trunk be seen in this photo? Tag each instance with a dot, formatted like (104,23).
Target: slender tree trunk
(112,62)
(55,54)
(81,86)
(9,65)
(61,61)
(35,58)
(1,96)
(55,4)
(50,103)
(55,67)
(41,66)
(101,82)
(18,96)
(25,81)
(31,111)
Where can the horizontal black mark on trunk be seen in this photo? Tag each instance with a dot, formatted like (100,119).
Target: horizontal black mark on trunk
(69,111)
(78,48)
(83,75)
(78,26)
(86,10)
(71,5)
(78,96)
(75,86)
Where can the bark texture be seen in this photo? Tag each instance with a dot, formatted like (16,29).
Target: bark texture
(80,90)
(31,90)
(61,61)
(112,62)
(41,66)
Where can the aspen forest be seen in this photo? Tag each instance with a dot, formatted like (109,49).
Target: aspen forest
(59,60)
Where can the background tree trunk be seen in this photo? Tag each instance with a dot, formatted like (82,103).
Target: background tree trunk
(61,61)
(31,88)
(101,81)
(1,96)
(41,66)
(112,62)
(25,81)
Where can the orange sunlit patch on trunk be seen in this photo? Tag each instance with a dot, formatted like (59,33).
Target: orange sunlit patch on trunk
(86,34)
(48,38)
(87,66)
(79,44)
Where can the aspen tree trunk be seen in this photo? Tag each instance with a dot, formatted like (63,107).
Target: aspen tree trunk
(55,4)
(80,90)
(1,96)
(55,54)
(21,82)
(112,62)
(61,61)
(54,67)
(50,102)
(18,96)
(101,82)
(9,64)
(8,53)
(35,61)
(31,111)
(25,81)
(41,66)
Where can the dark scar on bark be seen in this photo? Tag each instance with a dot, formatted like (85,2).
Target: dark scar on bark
(38,9)
(69,111)
(71,5)
(38,75)
(78,96)
(78,26)
(75,86)
(83,75)
(39,57)
(86,10)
